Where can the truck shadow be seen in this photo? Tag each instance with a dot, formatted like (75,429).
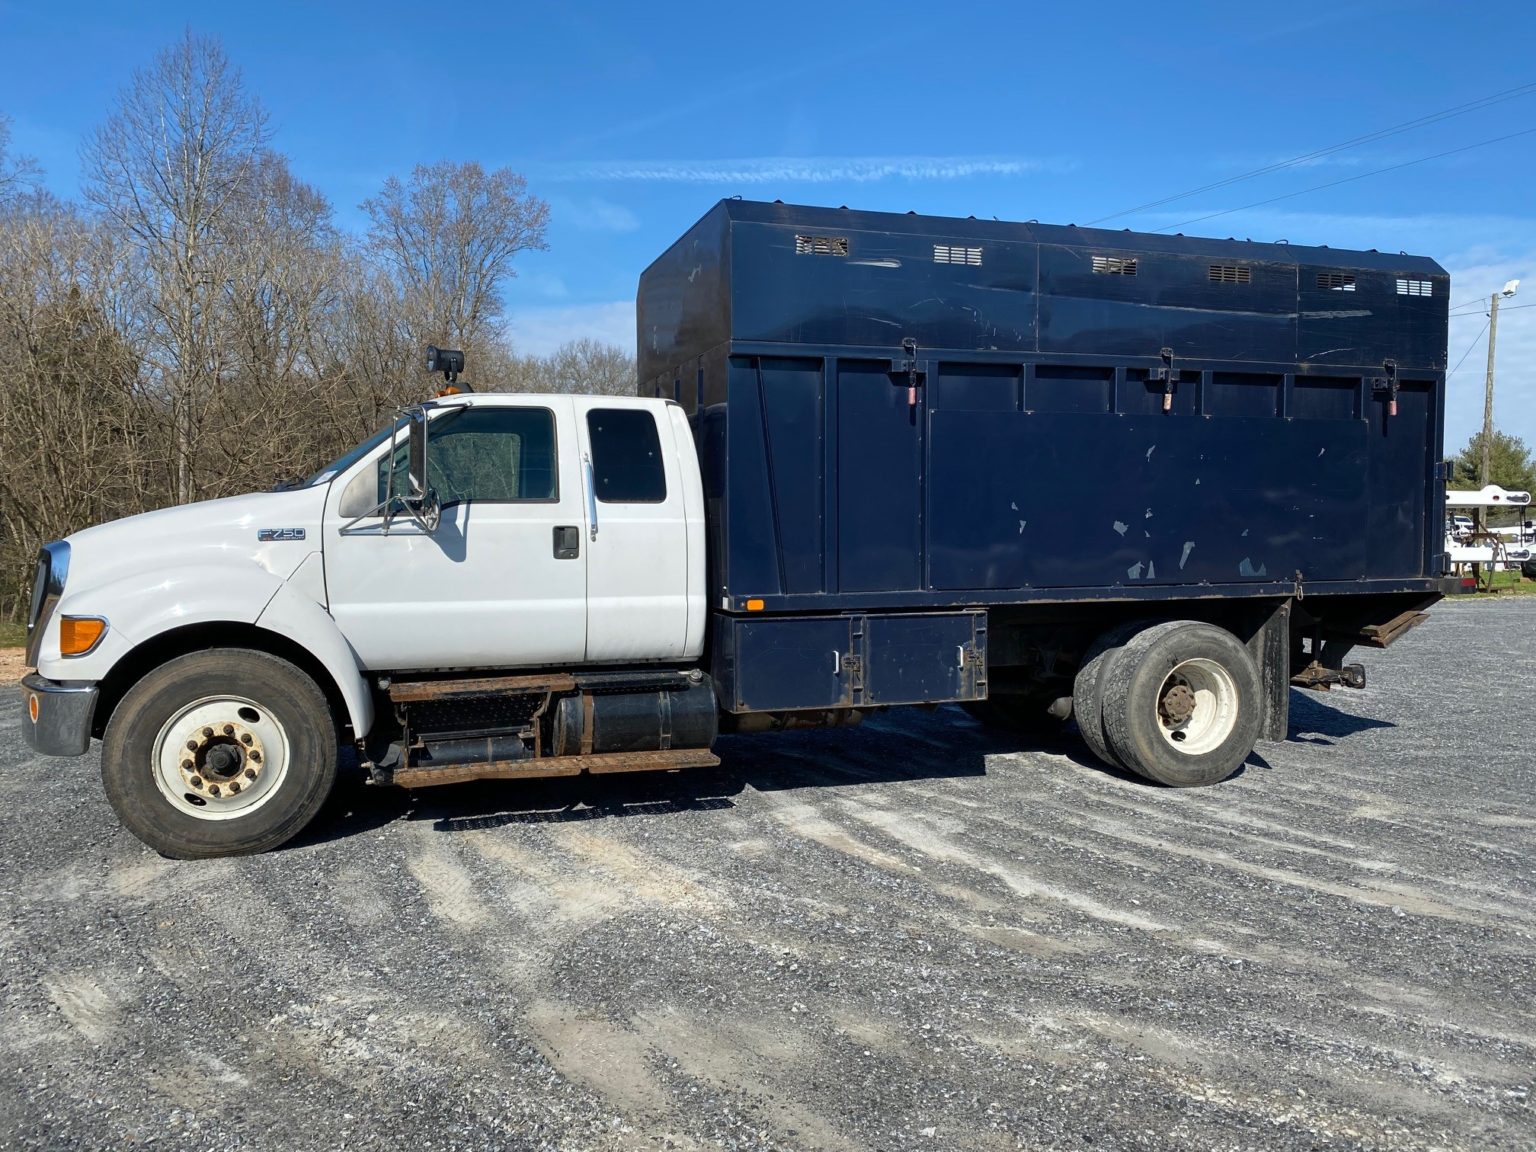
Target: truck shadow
(902,746)
(1315,722)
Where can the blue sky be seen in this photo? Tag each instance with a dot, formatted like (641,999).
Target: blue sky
(632,119)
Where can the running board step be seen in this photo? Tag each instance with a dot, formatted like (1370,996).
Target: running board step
(434,691)
(556,766)
(443,691)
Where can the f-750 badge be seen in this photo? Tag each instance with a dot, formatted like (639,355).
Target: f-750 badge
(266,534)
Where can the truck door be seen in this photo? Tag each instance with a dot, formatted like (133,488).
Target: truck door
(502,581)
(637,533)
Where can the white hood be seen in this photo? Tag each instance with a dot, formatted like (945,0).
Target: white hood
(211,532)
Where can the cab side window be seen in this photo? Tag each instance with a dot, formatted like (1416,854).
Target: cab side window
(489,455)
(626,456)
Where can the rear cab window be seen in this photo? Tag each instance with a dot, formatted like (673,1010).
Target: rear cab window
(627,467)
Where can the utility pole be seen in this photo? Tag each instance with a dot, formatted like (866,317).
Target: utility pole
(1493,336)
(1486,463)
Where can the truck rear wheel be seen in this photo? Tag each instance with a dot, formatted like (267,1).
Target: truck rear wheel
(219,753)
(1181,703)
(1087,689)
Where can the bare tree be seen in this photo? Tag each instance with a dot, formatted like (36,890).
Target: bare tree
(200,326)
(77,437)
(168,169)
(18,174)
(584,366)
(588,365)
(447,237)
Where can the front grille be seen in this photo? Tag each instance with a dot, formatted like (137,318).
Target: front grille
(47,587)
(39,588)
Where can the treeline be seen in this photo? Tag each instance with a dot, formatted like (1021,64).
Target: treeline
(197,325)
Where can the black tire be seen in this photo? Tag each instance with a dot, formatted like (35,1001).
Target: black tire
(1087,697)
(1023,714)
(265,698)
(1528,569)
(1225,718)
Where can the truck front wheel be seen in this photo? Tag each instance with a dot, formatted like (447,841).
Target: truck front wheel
(1182,703)
(219,753)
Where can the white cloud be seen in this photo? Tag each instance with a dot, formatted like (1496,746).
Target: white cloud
(545,284)
(540,331)
(804,170)
(594,214)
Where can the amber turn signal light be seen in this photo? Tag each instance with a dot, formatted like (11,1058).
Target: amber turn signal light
(754,605)
(79,634)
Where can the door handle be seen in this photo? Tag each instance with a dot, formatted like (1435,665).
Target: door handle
(567,542)
(591,496)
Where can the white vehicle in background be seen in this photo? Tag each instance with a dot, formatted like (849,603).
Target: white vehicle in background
(1465,543)
(1521,533)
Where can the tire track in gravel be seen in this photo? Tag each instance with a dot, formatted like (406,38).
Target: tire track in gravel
(1187,820)
(86,1003)
(451,893)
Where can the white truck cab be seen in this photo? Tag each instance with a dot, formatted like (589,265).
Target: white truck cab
(216,647)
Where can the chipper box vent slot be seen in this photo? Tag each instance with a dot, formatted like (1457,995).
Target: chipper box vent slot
(821,245)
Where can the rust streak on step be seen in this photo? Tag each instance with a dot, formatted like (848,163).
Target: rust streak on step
(419,691)
(557,766)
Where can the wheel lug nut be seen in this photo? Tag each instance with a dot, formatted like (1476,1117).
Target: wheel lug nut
(197,781)
(229,729)
(250,773)
(191,745)
(186,765)
(245,738)
(213,789)
(207,732)
(255,756)
(234,786)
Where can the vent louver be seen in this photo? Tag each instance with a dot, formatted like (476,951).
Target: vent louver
(1336,281)
(1231,274)
(1415,287)
(949,254)
(1114,265)
(821,245)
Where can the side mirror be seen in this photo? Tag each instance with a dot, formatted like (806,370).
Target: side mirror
(419,498)
(416,456)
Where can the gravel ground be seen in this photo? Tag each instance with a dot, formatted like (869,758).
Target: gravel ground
(910,935)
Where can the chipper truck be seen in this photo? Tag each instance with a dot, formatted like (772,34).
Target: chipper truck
(1146,482)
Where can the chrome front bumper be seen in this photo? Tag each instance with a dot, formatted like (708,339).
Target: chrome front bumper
(56,715)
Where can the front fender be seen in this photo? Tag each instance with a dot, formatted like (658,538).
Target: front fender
(153,604)
(295,614)
(142,606)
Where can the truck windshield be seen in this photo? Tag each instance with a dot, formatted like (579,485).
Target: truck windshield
(350,457)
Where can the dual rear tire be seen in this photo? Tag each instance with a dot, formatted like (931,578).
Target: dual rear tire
(1179,702)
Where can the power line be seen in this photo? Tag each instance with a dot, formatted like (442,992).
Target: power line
(1347,180)
(1369,137)
(1502,308)
(1467,353)
(1468,302)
